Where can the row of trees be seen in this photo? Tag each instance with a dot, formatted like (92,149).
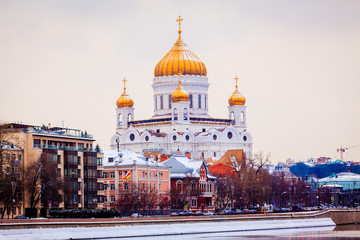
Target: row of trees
(250,185)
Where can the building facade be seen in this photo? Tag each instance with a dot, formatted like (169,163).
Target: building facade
(71,151)
(192,187)
(129,180)
(181,118)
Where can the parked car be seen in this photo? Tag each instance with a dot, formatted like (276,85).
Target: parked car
(209,213)
(20,217)
(136,215)
(229,211)
(185,213)
(198,213)
(246,210)
(173,214)
(238,211)
(252,211)
(221,212)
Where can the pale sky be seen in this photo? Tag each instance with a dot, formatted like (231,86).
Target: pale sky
(297,62)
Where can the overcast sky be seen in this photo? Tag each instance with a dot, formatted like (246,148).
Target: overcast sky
(298,64)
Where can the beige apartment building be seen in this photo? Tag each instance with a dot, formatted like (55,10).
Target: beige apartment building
(73,153)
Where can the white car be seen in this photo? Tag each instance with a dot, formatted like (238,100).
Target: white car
(136,215)
(208,213)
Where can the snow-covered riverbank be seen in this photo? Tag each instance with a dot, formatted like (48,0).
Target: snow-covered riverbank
(212,230)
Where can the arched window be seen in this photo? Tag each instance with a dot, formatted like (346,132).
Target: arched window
(205,102)
(242,115)
(232,117)
(191,100)
(161,102)
(119,119)
(129,117)
(169,101)
(199,101)
(175,114)
(185,114)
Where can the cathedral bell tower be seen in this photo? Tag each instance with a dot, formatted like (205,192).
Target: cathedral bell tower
(237,108)
(180,104)
(124,110)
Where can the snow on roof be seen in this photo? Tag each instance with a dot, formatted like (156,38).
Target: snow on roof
(341,177)
(5,145)
(126,157)
(181,165)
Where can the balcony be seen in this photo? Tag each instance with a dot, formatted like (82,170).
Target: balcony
(65,132)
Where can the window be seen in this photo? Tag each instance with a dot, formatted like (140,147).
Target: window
(175,114)
(199,101)
(191,101)
(161,102)
(112,187)
(112,175)
(194,202)
(144,186)
(230,135)
(112,199)
(119,119)
(104,174)
(7,156)
(126,186)
(159,186)
(205,102)
(111,159)
(185,114)
(132,137)
(143,174)
(169,101)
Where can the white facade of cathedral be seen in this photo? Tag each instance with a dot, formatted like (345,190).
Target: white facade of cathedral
(181,120)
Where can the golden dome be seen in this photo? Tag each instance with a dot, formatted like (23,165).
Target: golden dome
(237,98)
(124,100)
(179,95)
(180,59)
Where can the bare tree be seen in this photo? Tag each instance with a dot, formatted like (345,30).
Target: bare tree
(43,182)
(224,194)
(11,184)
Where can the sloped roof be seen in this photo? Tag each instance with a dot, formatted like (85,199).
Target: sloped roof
(5,145)
(181,166)
(342,177)
(226,158)
(126,157)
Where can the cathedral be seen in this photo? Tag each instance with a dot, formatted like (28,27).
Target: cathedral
(181,121)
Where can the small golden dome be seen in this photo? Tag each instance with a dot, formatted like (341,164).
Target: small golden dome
(180,59)
(179,95)
(124,100)
(237,98)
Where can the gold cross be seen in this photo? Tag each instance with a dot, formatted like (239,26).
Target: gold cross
(179,20)
(236,79)
(124,83)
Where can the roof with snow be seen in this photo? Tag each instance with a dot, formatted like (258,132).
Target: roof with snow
(181,166)
(125,158)
(341,177)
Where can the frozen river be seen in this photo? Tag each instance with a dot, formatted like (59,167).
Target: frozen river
(320,228)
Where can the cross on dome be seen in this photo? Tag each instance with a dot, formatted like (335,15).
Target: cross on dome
(236,80)
(179,20)
(124,83)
